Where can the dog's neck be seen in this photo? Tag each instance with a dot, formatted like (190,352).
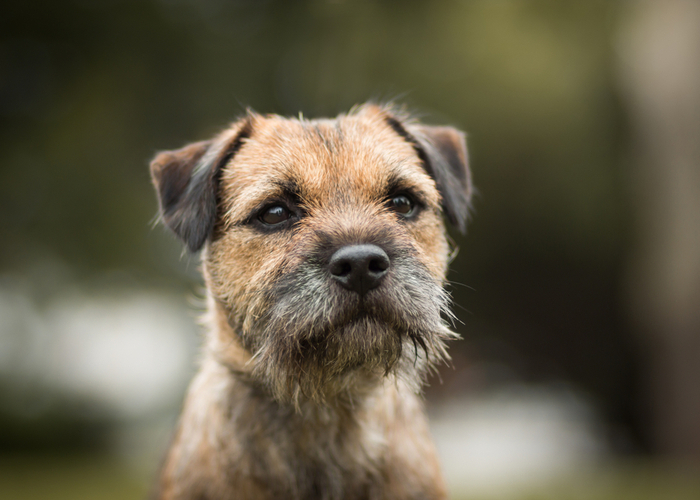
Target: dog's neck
(296,449)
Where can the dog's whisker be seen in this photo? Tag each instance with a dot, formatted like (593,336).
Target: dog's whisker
(457,283)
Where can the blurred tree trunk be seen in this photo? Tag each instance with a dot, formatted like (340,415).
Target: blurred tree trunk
(660,73)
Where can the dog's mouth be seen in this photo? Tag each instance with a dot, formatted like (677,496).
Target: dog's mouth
(361,312)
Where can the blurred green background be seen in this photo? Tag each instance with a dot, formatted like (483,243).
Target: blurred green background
(577,286)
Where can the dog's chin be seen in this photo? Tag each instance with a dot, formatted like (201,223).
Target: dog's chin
(365,340)
(337,360)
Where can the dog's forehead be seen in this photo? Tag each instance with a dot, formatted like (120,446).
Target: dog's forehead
(349,157)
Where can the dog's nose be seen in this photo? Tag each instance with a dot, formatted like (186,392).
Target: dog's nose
(359,268)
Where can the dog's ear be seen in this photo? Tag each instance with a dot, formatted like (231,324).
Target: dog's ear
(447,162)
(443,151)
(187,182)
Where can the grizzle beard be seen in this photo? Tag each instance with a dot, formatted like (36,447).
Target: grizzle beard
(316,341)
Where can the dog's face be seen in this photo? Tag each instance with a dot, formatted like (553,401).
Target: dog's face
(325,245)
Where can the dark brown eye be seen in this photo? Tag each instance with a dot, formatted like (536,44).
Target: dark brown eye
(274,215)
(402,204)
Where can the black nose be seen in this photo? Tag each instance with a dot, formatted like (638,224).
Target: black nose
(359,267)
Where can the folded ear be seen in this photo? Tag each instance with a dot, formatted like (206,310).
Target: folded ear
(443,151)
(187,183)
(447,162)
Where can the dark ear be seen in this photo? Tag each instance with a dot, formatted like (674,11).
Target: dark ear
(443,151)
(187,183)
(448,163)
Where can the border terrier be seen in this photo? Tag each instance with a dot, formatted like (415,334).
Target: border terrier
(324,255)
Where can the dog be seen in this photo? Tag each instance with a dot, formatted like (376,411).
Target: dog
(324,255)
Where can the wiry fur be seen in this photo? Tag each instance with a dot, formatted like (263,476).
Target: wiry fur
(308,390)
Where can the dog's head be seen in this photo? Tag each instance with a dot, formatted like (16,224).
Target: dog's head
(324,245)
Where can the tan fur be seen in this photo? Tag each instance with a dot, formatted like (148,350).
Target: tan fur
(268,417)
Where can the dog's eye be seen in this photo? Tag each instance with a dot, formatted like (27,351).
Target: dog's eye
(274,214)
(402,204)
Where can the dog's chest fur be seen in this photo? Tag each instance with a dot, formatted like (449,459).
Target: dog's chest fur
(319,453)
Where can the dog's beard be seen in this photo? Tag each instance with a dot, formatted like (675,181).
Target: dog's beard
(317,341)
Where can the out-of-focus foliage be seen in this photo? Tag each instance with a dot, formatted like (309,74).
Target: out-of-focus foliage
(89,91)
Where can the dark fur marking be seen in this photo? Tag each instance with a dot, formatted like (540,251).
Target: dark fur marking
(400,130)
(290,189)
(327,142)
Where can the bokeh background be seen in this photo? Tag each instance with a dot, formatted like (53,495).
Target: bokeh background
(577,286)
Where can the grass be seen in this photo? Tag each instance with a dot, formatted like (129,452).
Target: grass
(82,477)
(99,477)
(619,480)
